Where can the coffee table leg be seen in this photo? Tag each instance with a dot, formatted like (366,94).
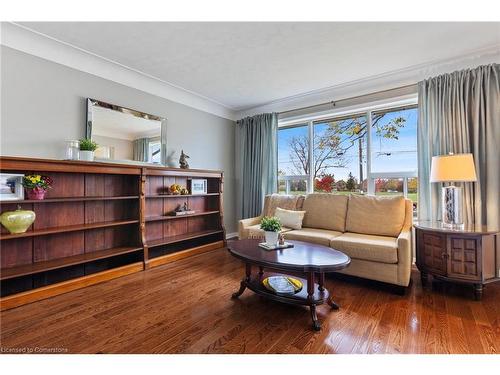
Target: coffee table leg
(316,323)
(321,281)
(310,297)
(334,305)
(261,272)
(243,284)
(321,288)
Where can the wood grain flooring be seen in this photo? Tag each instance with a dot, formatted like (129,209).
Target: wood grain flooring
(185,307)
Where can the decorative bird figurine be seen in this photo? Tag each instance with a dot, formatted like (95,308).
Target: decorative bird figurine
(182,160)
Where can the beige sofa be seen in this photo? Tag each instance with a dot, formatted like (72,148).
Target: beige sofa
(374,231)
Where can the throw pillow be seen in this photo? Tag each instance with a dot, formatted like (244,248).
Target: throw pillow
(290,219)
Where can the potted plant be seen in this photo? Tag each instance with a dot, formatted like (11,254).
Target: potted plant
(36,186)
(87,148)
(271,227)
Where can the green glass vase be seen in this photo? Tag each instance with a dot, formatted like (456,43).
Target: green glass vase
(17,221)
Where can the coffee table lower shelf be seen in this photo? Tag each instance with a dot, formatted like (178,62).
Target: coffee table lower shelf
(299,298)
(312,294)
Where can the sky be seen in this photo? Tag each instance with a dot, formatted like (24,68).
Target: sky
(403,151)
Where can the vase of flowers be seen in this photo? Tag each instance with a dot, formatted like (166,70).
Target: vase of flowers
(271,227)
(87,148)
(36,186)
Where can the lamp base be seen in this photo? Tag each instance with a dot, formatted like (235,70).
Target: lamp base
(451,206)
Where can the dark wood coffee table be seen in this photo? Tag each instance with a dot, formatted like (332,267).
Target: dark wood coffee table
(305,259)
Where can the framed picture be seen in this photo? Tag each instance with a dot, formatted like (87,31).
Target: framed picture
(11,188)
(198,186)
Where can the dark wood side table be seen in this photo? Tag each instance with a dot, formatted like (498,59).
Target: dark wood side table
(463,255)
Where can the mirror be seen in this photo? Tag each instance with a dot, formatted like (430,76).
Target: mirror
(126,135)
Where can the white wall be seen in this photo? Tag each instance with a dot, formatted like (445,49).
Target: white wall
(44,103)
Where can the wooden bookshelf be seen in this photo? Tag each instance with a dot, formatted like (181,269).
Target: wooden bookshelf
(162,229)
(98,221)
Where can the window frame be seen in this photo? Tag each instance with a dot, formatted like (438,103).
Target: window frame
(408,102)
(150,153)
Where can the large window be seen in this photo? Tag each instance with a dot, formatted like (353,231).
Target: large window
(372,152)
(339,154)
(394,141)
(293,159)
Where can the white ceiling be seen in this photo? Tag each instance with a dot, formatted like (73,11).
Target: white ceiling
(243,65)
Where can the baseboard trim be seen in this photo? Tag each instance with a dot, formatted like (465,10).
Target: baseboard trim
(23,298)
(231,235)
(169,258)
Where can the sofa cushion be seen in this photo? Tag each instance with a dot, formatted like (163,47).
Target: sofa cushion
(287,202)
(289,218)
(325,211)
(254,231)
(382,216)
(367,247)
(319,236)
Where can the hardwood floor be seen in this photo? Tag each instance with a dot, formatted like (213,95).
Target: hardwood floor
(185,307)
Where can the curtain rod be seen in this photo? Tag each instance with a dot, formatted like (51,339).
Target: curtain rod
(334,102)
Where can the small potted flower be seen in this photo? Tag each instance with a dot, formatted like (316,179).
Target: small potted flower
(87,148)
(36,186)
(271,227)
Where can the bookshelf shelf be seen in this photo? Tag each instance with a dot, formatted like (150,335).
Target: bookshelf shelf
(37,267)
(72,199)
(167,217)
(67,228)
(180,196)
(182,237)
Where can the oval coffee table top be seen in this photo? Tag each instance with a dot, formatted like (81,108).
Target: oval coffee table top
(304,256)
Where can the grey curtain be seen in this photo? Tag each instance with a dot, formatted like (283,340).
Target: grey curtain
(256,156)
(141,149)
(460,113)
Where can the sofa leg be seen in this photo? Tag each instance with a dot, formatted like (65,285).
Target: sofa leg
(424,278)
(400,290)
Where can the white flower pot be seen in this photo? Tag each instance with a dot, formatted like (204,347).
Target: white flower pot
(271,238)
(86,155)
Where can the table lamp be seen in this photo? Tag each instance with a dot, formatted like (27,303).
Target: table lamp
(452,168)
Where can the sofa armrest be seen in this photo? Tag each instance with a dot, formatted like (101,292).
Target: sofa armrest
(245,223)
(404,256)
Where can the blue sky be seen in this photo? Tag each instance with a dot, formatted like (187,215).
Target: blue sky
(403,151)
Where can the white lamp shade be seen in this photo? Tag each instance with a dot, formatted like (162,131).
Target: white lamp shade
(453,168)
